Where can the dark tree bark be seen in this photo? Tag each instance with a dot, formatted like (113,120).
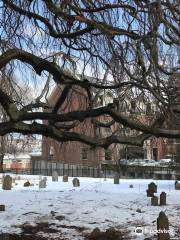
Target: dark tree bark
(130,49)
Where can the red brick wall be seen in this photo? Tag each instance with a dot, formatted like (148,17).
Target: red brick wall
(70,152)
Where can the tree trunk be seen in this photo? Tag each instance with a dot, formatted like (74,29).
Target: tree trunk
(2,151)
(1,162)
(177,151)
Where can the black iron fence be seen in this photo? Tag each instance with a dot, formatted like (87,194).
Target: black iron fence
(46,168)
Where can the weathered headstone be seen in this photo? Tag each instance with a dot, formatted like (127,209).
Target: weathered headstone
(116,178)
(18,177)
(55,176)
(42,183)
(7,183)
(2,208)
(154,201)
(13,180)
(177,185)
(152,188)
(76,182)
(163,227)
(162,199)
(65,178)
(45,178)
(27,184)
(95,233)
(138,210)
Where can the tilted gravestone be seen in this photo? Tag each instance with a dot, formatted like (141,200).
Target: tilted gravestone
(76,182)
(2,208)
(163,227)
(7,183)
(65,178)
(162,199)
(27,184)
(152,188)
(116,178)
(42,183)
(55,176)
(154,201)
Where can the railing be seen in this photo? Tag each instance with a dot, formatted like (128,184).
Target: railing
(46,168)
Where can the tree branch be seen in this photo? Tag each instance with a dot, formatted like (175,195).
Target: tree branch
(52,132)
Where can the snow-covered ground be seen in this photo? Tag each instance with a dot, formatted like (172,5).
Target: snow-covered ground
(96,203)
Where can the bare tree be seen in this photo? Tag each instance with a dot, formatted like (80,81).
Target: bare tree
(127,47)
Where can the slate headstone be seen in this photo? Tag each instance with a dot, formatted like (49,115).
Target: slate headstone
(76,182)
(154,201)
(27,184)
(152,188)
(2,208)
(162,199)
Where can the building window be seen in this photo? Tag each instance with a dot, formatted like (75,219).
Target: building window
(100,101)
(84,153)
(51,153)
(155,154)
(108,154)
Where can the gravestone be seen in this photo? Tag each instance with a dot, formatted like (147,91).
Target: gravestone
(152,188)
(65,178)
(2,208)
(18,177)
(116,178)
(162,199)
(95,233)
(13,180)
(154,201)
(27,184)
(55,176)
(7,183)
(42,183)
(177,185)
(76,182)
(163,227)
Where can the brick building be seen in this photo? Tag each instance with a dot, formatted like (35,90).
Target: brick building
(77,153)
